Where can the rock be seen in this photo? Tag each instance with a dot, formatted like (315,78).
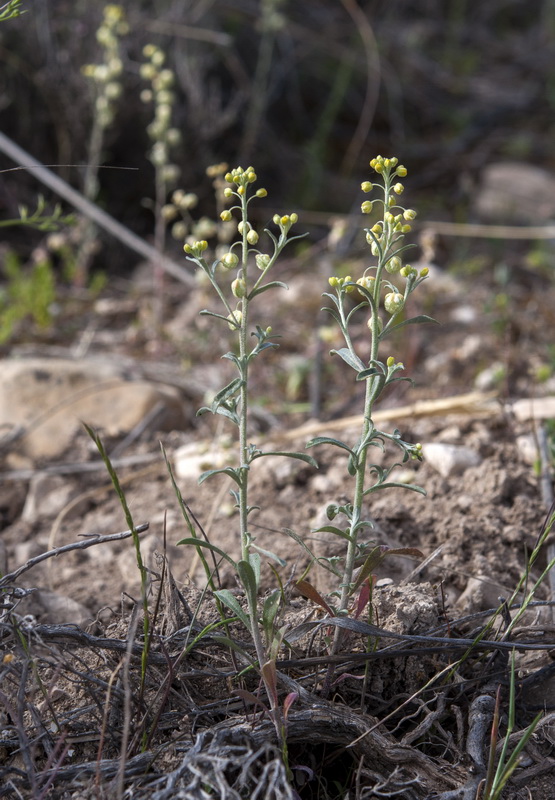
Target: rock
(513,193)
(46,497)
(51,608)
(527,445)
(450,459)
(480,594)
(194,458)
(490,377)
(534,408)
(51,398)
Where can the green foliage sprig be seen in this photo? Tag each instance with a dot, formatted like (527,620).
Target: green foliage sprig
(38,219)
(11,10)
(385,301)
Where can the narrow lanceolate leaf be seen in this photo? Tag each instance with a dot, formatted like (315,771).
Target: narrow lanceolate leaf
(222,411)
(229,600)
(332,529)
(349,358)
(420,319)
(298,456)
(230,471)
(270,609)
(248,579)
(311,593)
(209,546)
(228,391)
(271,285)
(329,440)
(268,553)
(367,373)
(395,484)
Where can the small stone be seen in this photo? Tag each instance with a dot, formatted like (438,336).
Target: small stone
(50,399)
(528,448)
(490,377)
(450,459)
(534,408)
(46,497)
(51,608)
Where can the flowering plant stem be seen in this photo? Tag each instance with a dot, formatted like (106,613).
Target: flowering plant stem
(232,402)
(385,240)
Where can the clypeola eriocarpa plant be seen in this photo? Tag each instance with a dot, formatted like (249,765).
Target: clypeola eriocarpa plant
(238,277)
(384,289)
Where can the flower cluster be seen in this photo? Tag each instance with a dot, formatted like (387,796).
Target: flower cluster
(106,76)
(160,130)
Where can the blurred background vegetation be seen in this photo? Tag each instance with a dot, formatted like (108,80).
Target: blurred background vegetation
(306,92)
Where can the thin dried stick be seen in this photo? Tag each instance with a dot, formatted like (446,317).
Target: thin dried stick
(90,541)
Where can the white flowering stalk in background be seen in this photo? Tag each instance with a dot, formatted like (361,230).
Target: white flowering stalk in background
(164,137)
(105,79)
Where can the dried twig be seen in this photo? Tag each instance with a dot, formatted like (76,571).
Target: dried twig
(90,541)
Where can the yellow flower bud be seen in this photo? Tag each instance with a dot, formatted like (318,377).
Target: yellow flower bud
(285,219)
(261,193)
(367,282)
(333,281)
(229,260)
(409,213)
(390,361)
(225,216)
(235,320)
(294,218)
(424,272)
(252,237)
(401,171)
(239,287)
(276,219)
(366,187)
(241,190)
(393,302)
(366,207)
(406,229)
(394,265)
(262,261)
(228,192)
(398,188)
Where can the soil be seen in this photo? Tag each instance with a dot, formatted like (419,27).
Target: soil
(81,704)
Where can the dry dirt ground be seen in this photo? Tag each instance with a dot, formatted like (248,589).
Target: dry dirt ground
(77,719)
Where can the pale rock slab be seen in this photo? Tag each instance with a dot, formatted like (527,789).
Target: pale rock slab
(51,398)
(515,193)
(450,459)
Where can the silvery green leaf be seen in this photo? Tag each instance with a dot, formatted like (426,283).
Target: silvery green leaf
(271,285)
(349,358)
(397,485)
(420,319)
(332,529)
(234,474)
(248,579)
(268,553)
(209,546)
(229,600)
(298,456)
(329,440)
